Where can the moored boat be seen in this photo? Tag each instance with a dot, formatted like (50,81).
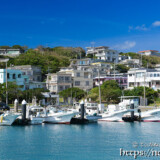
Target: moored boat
(60,117)
(8,118)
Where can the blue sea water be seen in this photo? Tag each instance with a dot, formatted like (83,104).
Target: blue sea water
(101,141)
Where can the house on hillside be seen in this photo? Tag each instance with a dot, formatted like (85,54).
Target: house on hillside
(150,53)
(11,52)
(103,53)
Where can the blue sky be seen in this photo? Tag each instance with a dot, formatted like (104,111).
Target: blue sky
(125,25)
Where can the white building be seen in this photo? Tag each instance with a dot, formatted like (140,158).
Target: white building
(104,53)
(149,53)
(144,77)
(11,52)
(93,65)
(57,82)
(82,76)
(132,63)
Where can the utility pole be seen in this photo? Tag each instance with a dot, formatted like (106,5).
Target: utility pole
(114,69)
(6,85)
(141,60)
(99,86)
(144,90)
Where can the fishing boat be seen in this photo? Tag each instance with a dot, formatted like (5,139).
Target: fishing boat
(91,111)
(60,116)
(151,116)
(36,114)
(115,113)
(8,118)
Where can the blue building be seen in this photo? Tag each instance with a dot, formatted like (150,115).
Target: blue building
(14,76)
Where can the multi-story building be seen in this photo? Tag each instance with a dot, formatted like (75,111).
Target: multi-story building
(104,53)
(57,82)
(85,61)
(101,68)
(121,79)
(82,76)
(149,53)
(34,74)
(96,66)
(14,76)
(144,77)
(132,63)
(11,52)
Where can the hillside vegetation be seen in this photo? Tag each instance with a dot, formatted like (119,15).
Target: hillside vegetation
(49,59)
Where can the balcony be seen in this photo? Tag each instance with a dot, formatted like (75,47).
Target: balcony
(100,54)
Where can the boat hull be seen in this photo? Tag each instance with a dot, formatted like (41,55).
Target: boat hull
(114,116)
(36,120)
(59,118)
(8,119)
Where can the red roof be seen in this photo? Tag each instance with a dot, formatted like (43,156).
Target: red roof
(147,51)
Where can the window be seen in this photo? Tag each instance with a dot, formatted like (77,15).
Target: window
(78,74)
(25,79)
(60,88)
(155,75)
(130,75)
(113,59)
(19,75)
(38,78)
(66,87)
(28,73)
(87,83)
(14,76)
(54,87)
(131,84)
(61,78)
(77,83)
(8,76)
(85,75)
(67,79)
(150,75)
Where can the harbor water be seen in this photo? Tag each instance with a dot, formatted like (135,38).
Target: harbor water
(101,141)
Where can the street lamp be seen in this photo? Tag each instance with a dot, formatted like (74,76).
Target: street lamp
(6,60)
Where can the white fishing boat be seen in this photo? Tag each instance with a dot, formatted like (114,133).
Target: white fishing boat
(60,117)
(91,111)
(115,113)
(8,118)
(151,115)
(36,114)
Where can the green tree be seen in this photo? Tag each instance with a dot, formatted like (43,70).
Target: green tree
(151,94)
(5,47)
(122,68)
(73,92)
(110,91)
(29,94)
(14,91)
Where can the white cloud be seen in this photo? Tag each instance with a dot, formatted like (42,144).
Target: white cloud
(139,28)
(125,46)
(156,24)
